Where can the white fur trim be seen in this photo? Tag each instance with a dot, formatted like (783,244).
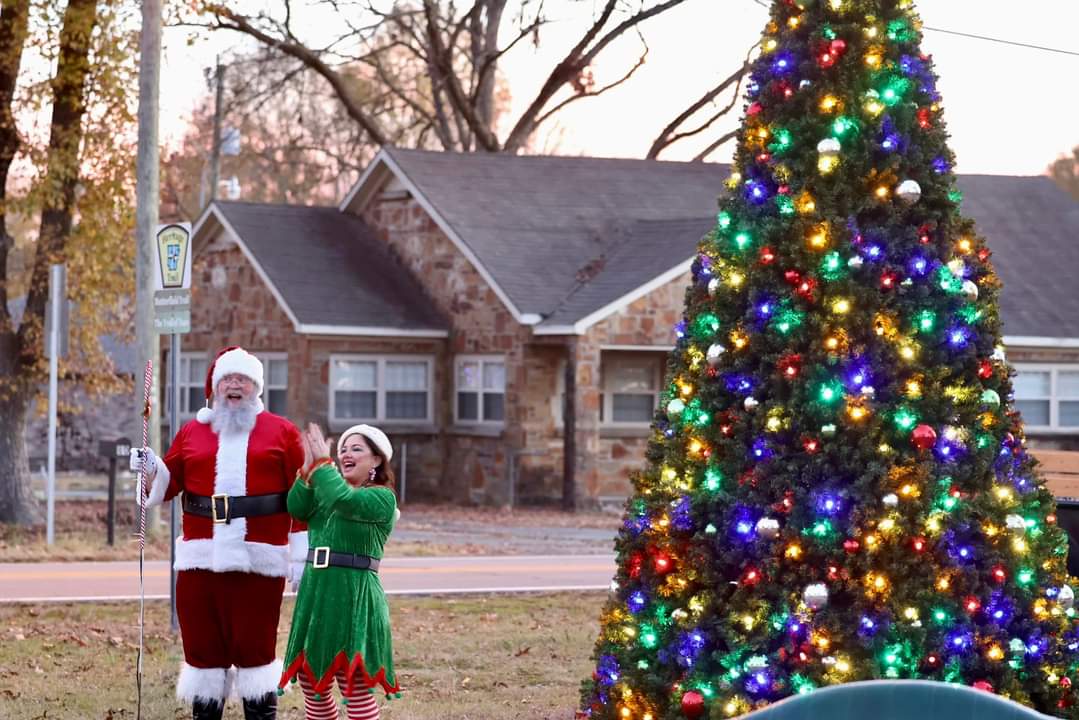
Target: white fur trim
(297,546)
(254,682)
(240,362)
(396,514)
(203,684)
(373,434)
(159,485)
(242,556)
(230,475)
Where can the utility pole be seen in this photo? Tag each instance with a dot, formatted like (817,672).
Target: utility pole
(219,110)
(147,193)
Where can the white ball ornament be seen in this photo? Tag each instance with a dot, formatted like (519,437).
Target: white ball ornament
(815,596)
(751,403)
(714,353)
(909,191)
(713,286)
(970,289)
(675,407)
(890,500)
(829,148)
(1066,597)
(768,527)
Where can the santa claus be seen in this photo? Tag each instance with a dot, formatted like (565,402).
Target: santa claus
(234,465)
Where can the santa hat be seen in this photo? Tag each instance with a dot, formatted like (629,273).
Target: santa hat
(230,361)
(372,433)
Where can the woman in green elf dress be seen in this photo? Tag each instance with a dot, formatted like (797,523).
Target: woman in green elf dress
(341,624)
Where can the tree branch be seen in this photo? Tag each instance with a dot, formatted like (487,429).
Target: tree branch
(595,93)
(668,136)
(574,63)
(714,146)
(242,24)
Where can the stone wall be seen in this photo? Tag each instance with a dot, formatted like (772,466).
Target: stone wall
(477,461)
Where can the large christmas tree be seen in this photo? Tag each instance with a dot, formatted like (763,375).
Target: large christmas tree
(837,488)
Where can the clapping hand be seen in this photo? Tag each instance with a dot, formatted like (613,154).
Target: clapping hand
(315,447)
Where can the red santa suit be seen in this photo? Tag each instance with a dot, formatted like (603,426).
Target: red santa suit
(232,574)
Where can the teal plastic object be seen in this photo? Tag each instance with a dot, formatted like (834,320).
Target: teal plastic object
(896,700)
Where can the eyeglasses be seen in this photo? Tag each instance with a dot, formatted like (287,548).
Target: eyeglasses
(236,379)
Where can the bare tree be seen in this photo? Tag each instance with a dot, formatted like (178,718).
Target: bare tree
(429,68)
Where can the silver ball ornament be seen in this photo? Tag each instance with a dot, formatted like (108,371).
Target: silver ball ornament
(991,398)
(1066,597)
(828,430)
(970,289)
(675,407)
(890,500)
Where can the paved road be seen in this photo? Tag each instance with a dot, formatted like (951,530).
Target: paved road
(97,581)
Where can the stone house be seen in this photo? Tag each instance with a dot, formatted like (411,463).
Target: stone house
(472,304)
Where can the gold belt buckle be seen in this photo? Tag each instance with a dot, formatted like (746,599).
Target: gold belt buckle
(218,520)
(322,557)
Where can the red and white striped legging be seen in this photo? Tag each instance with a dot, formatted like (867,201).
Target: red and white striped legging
(361,703)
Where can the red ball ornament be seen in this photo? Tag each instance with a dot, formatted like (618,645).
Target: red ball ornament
(754,109)
(767,255)
(838,47)
(982,685)
(1065,682)
(851,546)
(793,277)
(924,437)
(985,369)
(692,704)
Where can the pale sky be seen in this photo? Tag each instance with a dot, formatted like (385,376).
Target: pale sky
(1009,110)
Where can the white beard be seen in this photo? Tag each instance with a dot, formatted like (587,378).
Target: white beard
(239,420)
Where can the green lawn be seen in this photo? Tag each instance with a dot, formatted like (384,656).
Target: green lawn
(458,658)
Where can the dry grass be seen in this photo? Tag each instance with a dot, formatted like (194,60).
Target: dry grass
(458,658)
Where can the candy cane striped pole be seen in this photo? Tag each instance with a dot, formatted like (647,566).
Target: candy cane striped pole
(148,381)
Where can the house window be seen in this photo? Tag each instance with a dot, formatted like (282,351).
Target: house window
(631,384)
(631,381)
(366,387)
(1048,396)
(275,382)
(193,368)
(481,389)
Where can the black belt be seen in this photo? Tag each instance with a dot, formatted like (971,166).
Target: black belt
(321,557)
(223,508)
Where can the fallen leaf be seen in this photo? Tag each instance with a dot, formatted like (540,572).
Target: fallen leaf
(522,651)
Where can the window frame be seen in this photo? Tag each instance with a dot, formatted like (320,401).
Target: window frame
(380,388)
(1054,398)
(658,356)
(481,420)
(265,358)
(186,383)
(607,394)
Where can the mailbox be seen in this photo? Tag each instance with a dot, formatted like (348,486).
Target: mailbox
(119,448)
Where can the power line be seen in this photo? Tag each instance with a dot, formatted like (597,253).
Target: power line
(986,38)
(1003,42)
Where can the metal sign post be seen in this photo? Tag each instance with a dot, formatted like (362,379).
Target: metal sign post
(55,316)
(172,316)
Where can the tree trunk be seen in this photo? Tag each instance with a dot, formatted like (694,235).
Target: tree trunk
(17,502)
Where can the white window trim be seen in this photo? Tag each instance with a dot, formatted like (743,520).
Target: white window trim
(265,358)
(1054,398)
(380,389)
(481,359)
(608,395)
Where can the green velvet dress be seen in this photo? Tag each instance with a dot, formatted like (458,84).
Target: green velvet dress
(341,620)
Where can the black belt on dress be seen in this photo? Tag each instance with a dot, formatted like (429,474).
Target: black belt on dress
(321,557)
(223,508)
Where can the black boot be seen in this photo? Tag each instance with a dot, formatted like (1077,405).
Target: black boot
(212,710)
(263,708)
